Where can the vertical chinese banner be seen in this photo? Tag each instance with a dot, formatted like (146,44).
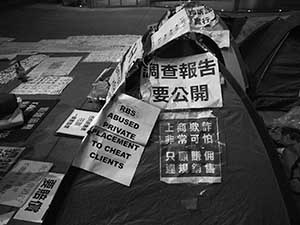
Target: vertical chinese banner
(190,149)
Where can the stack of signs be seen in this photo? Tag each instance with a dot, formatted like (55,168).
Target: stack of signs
(115,144)
(190,150)
(8,156)
(197,19)
(37,205)
(50,77)
(78,123)
(188,82)
(19,183)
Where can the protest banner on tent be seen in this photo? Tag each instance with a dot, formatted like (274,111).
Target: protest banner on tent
(183,83)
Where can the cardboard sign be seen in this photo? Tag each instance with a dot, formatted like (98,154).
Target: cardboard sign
(47,85)
(18,184)
(190,150)
(78,123)
(8,156)
(183,83)
(37,205)
(55,66)
(115,144)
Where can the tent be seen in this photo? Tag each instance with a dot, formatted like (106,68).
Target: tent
(251,190)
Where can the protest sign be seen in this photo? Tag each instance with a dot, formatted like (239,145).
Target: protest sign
(78,123)
(183,83)
(37,205)
(8,156)
(18,184)
(190,150)
(116,142)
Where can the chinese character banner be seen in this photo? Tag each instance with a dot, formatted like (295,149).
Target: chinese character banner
(183,83)
(190,150)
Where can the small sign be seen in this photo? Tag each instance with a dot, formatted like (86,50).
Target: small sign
(8,156)
(37,205)
(190,150)
(78,123)
(18,184)
(183,83)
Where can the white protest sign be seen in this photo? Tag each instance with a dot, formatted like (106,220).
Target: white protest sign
(201,16)
(109,155)
(17,185)
(8,156)
(183,83)
(115,144)
(37,205)
(130,118)
(78,123)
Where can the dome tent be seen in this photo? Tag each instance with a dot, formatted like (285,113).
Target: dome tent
(247,194)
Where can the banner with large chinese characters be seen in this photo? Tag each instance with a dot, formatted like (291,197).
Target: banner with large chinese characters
(190,148)
(116,143)
(183,83)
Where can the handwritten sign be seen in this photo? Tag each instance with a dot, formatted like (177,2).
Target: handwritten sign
(183,83)
(17,185)
(37,205)
(78,123)
(190,149)
(116,141)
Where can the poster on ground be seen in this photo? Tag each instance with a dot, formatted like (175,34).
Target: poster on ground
(78,123)
(116,142)
(183,83)
(190,148)
(18,184)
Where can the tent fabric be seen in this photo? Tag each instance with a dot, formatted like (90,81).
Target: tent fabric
(248,194)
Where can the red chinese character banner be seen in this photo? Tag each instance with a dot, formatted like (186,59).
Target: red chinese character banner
(190,148)
(183,83)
